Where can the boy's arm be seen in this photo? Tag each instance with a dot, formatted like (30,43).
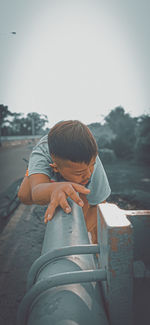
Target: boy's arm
(40,188)
(90,215)
(41,191)
(24,192)
(91,222)
(87,208)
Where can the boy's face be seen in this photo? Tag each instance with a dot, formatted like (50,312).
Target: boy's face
(75,172)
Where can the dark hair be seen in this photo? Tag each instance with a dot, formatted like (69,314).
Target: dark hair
(72,140)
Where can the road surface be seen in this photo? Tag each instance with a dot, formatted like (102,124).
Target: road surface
(20,245)
(12,165)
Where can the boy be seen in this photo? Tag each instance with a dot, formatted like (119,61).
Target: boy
(63,164)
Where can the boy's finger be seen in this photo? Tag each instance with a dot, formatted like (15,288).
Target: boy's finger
(80,188)
(74,196)
(50,211)
(64,203)
(45,216)
(65,207)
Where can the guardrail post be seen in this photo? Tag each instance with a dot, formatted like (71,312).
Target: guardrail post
(116,257)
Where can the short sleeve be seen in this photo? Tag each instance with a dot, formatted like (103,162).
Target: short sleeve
(40,159)
(99,185)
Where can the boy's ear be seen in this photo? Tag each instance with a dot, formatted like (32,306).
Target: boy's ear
(54,167)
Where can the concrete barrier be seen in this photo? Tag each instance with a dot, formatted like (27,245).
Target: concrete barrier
(116,247)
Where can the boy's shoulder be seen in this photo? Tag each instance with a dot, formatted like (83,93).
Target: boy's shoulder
(41,148)
(43,140)
(40,159)
(41,144)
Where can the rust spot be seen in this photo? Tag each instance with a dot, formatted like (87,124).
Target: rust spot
(103,225)
(113,272)
(127,230)
(129,240)
(114,244)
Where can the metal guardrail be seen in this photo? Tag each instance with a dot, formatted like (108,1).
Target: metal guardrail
(54,255)
(62,286)
(75,282)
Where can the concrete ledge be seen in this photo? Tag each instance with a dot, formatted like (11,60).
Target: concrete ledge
(116,257)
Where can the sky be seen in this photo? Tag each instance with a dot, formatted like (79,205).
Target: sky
(75,59)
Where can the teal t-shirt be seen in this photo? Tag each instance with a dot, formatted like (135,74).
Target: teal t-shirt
(39,164)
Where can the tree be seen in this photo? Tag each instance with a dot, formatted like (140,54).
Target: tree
(16,124)
(95,128)
(4,113)
(142,146)
(106,136)
(36,122)
(32,124)
(123,126)
(102,133)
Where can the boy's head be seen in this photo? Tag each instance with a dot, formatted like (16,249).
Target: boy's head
(73,150)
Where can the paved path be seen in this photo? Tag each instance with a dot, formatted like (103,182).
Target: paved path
(20,245)
(12,165)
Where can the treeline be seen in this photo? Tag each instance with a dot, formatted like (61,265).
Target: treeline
(19,124)
(121,136)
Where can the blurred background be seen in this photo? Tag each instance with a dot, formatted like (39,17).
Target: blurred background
(86,60)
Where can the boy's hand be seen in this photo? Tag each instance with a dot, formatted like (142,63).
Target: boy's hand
(59,197)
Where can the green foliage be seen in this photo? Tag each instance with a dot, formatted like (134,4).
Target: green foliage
(106,136)
(142,146)
(32,124)
(95,128)
(120,136)
(123,126)
(4,113)
(103,134)
(107,155)
(37,122)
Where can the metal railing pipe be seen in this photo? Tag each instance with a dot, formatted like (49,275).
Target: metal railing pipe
(50,257)
(63,283)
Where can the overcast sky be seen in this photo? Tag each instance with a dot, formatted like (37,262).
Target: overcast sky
(75,59)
